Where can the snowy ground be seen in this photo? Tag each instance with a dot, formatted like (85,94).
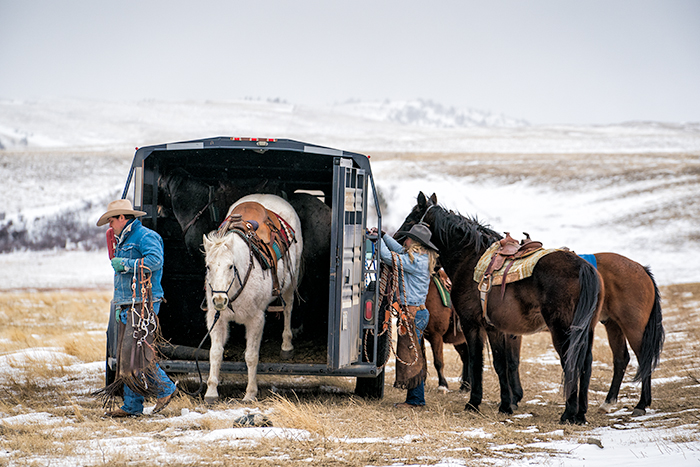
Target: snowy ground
(72,157)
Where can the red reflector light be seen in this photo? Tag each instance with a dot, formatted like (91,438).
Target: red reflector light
(368,310)
(269,140)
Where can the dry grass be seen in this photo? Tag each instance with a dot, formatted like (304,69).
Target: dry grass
(73,322)
(61,422)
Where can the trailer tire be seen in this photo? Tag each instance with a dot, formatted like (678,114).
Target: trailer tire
(372,387)
(110,374)
(111,347)
(383,349)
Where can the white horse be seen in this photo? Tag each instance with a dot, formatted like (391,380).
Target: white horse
(240,290)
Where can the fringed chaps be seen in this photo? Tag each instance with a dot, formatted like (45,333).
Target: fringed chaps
(411,367)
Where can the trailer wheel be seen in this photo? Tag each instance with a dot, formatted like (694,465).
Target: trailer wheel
(111,347)
(372,387)
(110,374)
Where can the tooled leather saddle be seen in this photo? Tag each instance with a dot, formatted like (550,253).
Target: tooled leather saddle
(509,251)
(270,236)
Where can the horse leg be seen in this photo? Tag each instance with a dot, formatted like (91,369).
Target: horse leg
(253,336)
(287,351)
(437,346)
(463,351)
(585,381)
(513,346)
(645,399)
(621,358)
(475,341)
(218,336)
(499,350)
(561,345)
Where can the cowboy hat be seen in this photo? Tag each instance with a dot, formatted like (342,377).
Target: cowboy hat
(115,208)
(420,233)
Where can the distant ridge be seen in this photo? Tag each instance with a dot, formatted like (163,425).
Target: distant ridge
(426,113)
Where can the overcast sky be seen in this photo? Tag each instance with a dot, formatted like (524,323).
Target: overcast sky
(545,61)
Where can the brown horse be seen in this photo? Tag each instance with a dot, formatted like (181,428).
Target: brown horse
(564,294)
(631,313)
(443,328)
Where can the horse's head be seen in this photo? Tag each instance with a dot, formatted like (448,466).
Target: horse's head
(419,213)
(220,267)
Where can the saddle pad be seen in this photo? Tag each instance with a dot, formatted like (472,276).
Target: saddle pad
(591,259)
(520,269)
(442,290)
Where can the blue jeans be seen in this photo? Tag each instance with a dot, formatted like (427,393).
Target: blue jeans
(416,396)
(133,403)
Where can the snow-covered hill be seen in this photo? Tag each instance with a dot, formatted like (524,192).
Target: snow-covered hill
(632,188)
(389,127)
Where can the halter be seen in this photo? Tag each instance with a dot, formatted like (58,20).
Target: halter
(199,214)
(235,272)
(426,212)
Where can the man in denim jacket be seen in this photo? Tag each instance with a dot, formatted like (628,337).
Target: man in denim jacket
(134,242)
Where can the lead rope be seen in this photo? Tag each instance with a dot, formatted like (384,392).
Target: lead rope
(144,321)
(401,315)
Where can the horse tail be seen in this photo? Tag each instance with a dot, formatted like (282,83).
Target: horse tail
(653,338)
(579,341)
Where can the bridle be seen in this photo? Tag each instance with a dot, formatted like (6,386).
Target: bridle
(235,271)
(218,312)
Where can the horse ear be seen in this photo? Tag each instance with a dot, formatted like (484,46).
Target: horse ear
(206,242)
(433,199)
(422,201)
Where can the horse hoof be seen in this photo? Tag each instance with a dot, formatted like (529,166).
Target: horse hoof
(211,400)
(471,408)
(506,409)
(287,354)
(606,407)
(638,412)
(443,389)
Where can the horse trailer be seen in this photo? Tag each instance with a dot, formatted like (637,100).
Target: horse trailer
(338,327)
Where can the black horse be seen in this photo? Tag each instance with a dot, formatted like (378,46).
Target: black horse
(564,295)
(199,207)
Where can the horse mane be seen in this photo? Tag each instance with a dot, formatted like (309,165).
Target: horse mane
(461,232)
(218,237)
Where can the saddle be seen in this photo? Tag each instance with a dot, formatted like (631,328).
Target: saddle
(443,286)
(510,249)
(501,257)
(270,236)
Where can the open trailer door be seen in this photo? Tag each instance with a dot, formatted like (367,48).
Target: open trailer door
(347,231)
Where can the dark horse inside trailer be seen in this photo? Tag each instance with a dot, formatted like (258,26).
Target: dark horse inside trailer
(186,188)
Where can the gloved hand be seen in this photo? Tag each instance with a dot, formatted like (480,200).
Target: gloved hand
(118,265)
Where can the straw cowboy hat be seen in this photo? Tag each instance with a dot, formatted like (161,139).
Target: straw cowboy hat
(420,233)
(115,208)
